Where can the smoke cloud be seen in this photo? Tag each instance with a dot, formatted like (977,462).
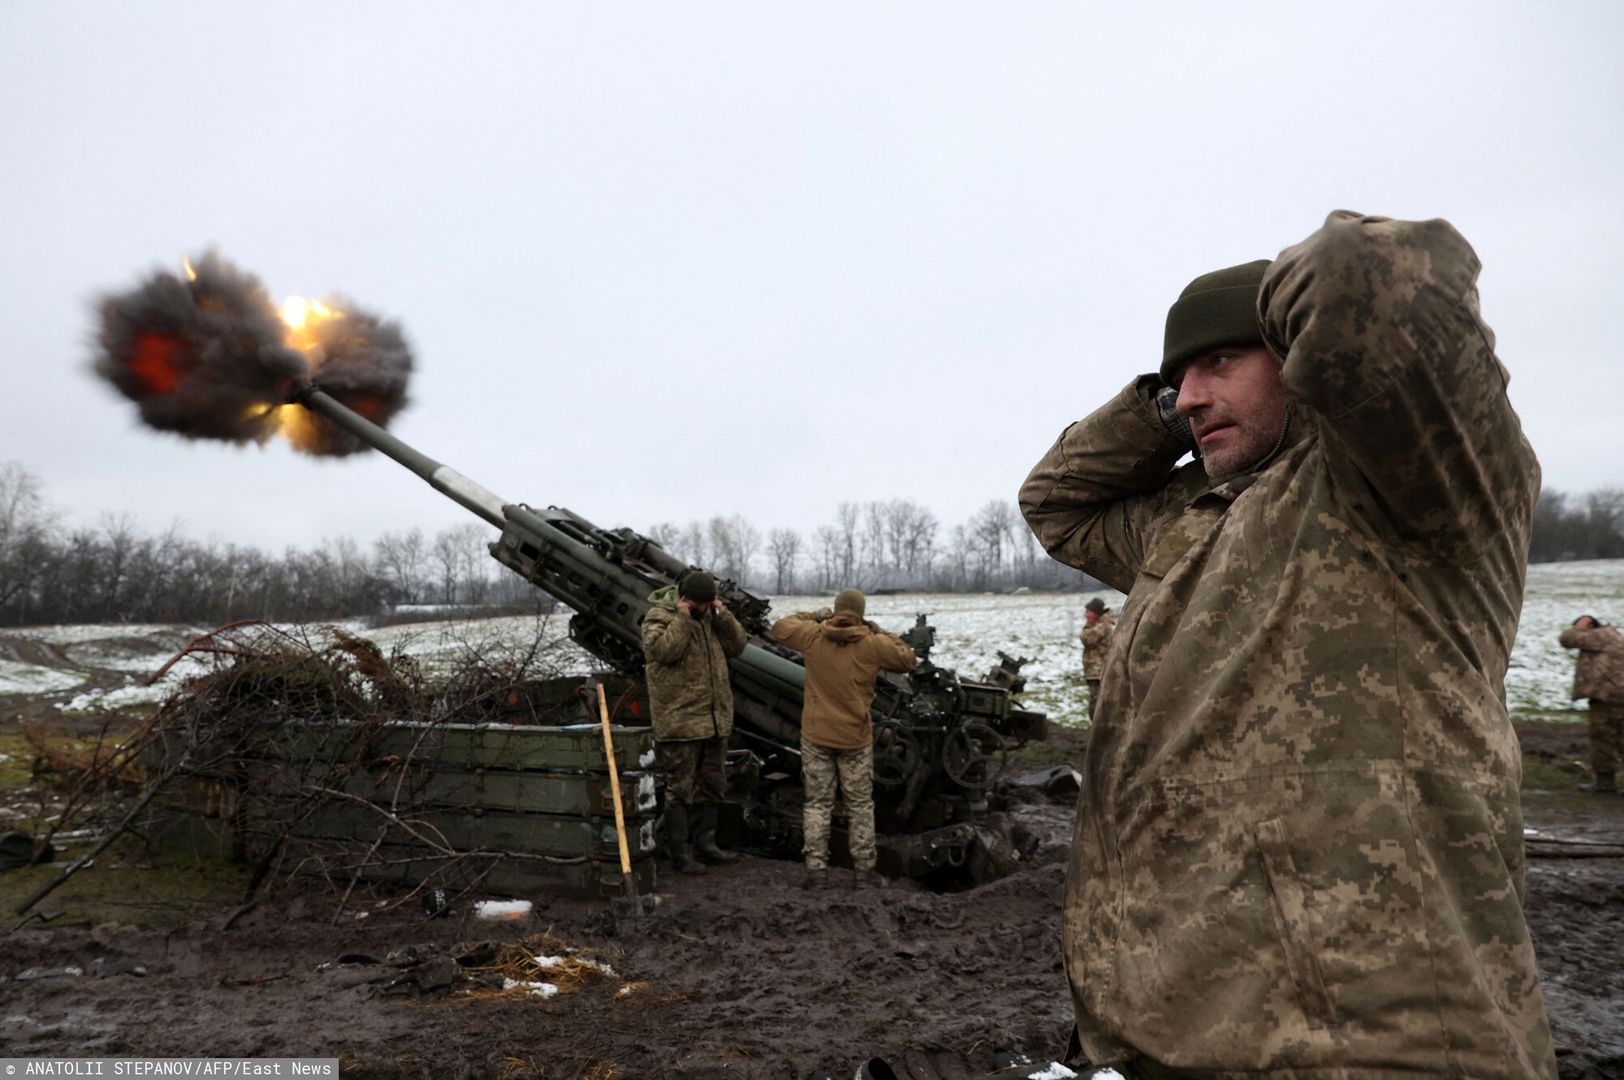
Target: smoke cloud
(362,361)
(212,358)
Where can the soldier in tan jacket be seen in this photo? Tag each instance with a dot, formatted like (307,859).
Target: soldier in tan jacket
(1599,676)
(1299,844)
(1096,634)
(844,656)
(688,638)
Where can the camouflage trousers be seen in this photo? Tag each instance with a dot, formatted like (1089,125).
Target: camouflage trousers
(1606,735)
(695,770)
(821,768)
(1093,696)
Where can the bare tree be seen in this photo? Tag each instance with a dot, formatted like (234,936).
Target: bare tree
(826,554)
(733,543)
(667,535)
(693,548)
(446,556)
(400,558)
(784,548)
(24,527)
(959,559)
(873,537)
(990,532)
(846,530)
(747,538)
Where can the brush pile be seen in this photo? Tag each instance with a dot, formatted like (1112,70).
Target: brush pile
(286,732)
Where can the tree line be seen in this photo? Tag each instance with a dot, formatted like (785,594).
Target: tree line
(113,572)
(895,544)
(1568,527)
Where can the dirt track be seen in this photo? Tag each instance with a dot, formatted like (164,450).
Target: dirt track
(739,973)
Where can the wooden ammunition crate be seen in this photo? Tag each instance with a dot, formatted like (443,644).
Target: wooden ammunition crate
(415,791)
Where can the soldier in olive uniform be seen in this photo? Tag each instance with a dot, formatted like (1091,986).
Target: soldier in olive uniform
(688,637)
(1599,676)
(1096,634)
(1299,847)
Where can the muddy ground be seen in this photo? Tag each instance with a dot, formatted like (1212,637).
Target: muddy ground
(738,973)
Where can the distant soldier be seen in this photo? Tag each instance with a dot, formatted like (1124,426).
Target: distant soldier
(1299,849)
(1097,625)
(1599,676)
(688,637)
(844,656)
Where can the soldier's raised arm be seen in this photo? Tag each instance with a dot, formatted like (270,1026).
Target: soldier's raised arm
(1093,498)
(730,632)
(891,652)
(798,630)
(1585,639)
(1378,326)
(665,635)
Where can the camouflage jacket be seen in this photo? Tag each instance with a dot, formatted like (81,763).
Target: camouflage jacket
(1096,639)
(685,665)
(1299,844)
(1599,674)
(844,655)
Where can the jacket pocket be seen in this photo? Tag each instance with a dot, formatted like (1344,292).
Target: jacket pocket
(1294,921)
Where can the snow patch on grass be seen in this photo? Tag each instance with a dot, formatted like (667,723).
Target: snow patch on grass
(18,678)
(123,697)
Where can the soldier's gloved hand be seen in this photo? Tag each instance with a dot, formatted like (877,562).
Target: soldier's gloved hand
(1167,399)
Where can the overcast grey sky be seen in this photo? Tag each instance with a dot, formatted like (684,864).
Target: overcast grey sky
(658,262)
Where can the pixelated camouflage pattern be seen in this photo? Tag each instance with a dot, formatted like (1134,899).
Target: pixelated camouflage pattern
(685,666)
(1096,639)
(1299,841)
(1599,673)
(1606,735)
(694,770)
(821,769)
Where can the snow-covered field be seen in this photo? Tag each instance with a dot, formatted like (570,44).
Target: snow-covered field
(91,668)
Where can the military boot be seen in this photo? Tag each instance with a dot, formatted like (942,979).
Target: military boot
(867,879)
(704,817)
(676,840)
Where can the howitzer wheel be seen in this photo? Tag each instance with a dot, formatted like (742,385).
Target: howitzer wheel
(896,754)
(974,756)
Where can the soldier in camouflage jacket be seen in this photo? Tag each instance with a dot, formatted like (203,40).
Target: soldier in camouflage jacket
(1098,622)
(1599,676)
(1299,843)
(688,638)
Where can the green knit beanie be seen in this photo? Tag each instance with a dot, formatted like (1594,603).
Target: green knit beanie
(698,586)
(850,600)
(1215,309)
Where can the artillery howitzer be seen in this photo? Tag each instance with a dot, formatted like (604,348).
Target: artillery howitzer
(939,740)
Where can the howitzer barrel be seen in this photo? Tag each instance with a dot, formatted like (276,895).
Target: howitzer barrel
(604,577)
(443,478)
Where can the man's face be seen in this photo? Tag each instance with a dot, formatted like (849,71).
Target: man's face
(1236,405)
(1091,616)
(1585,622)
